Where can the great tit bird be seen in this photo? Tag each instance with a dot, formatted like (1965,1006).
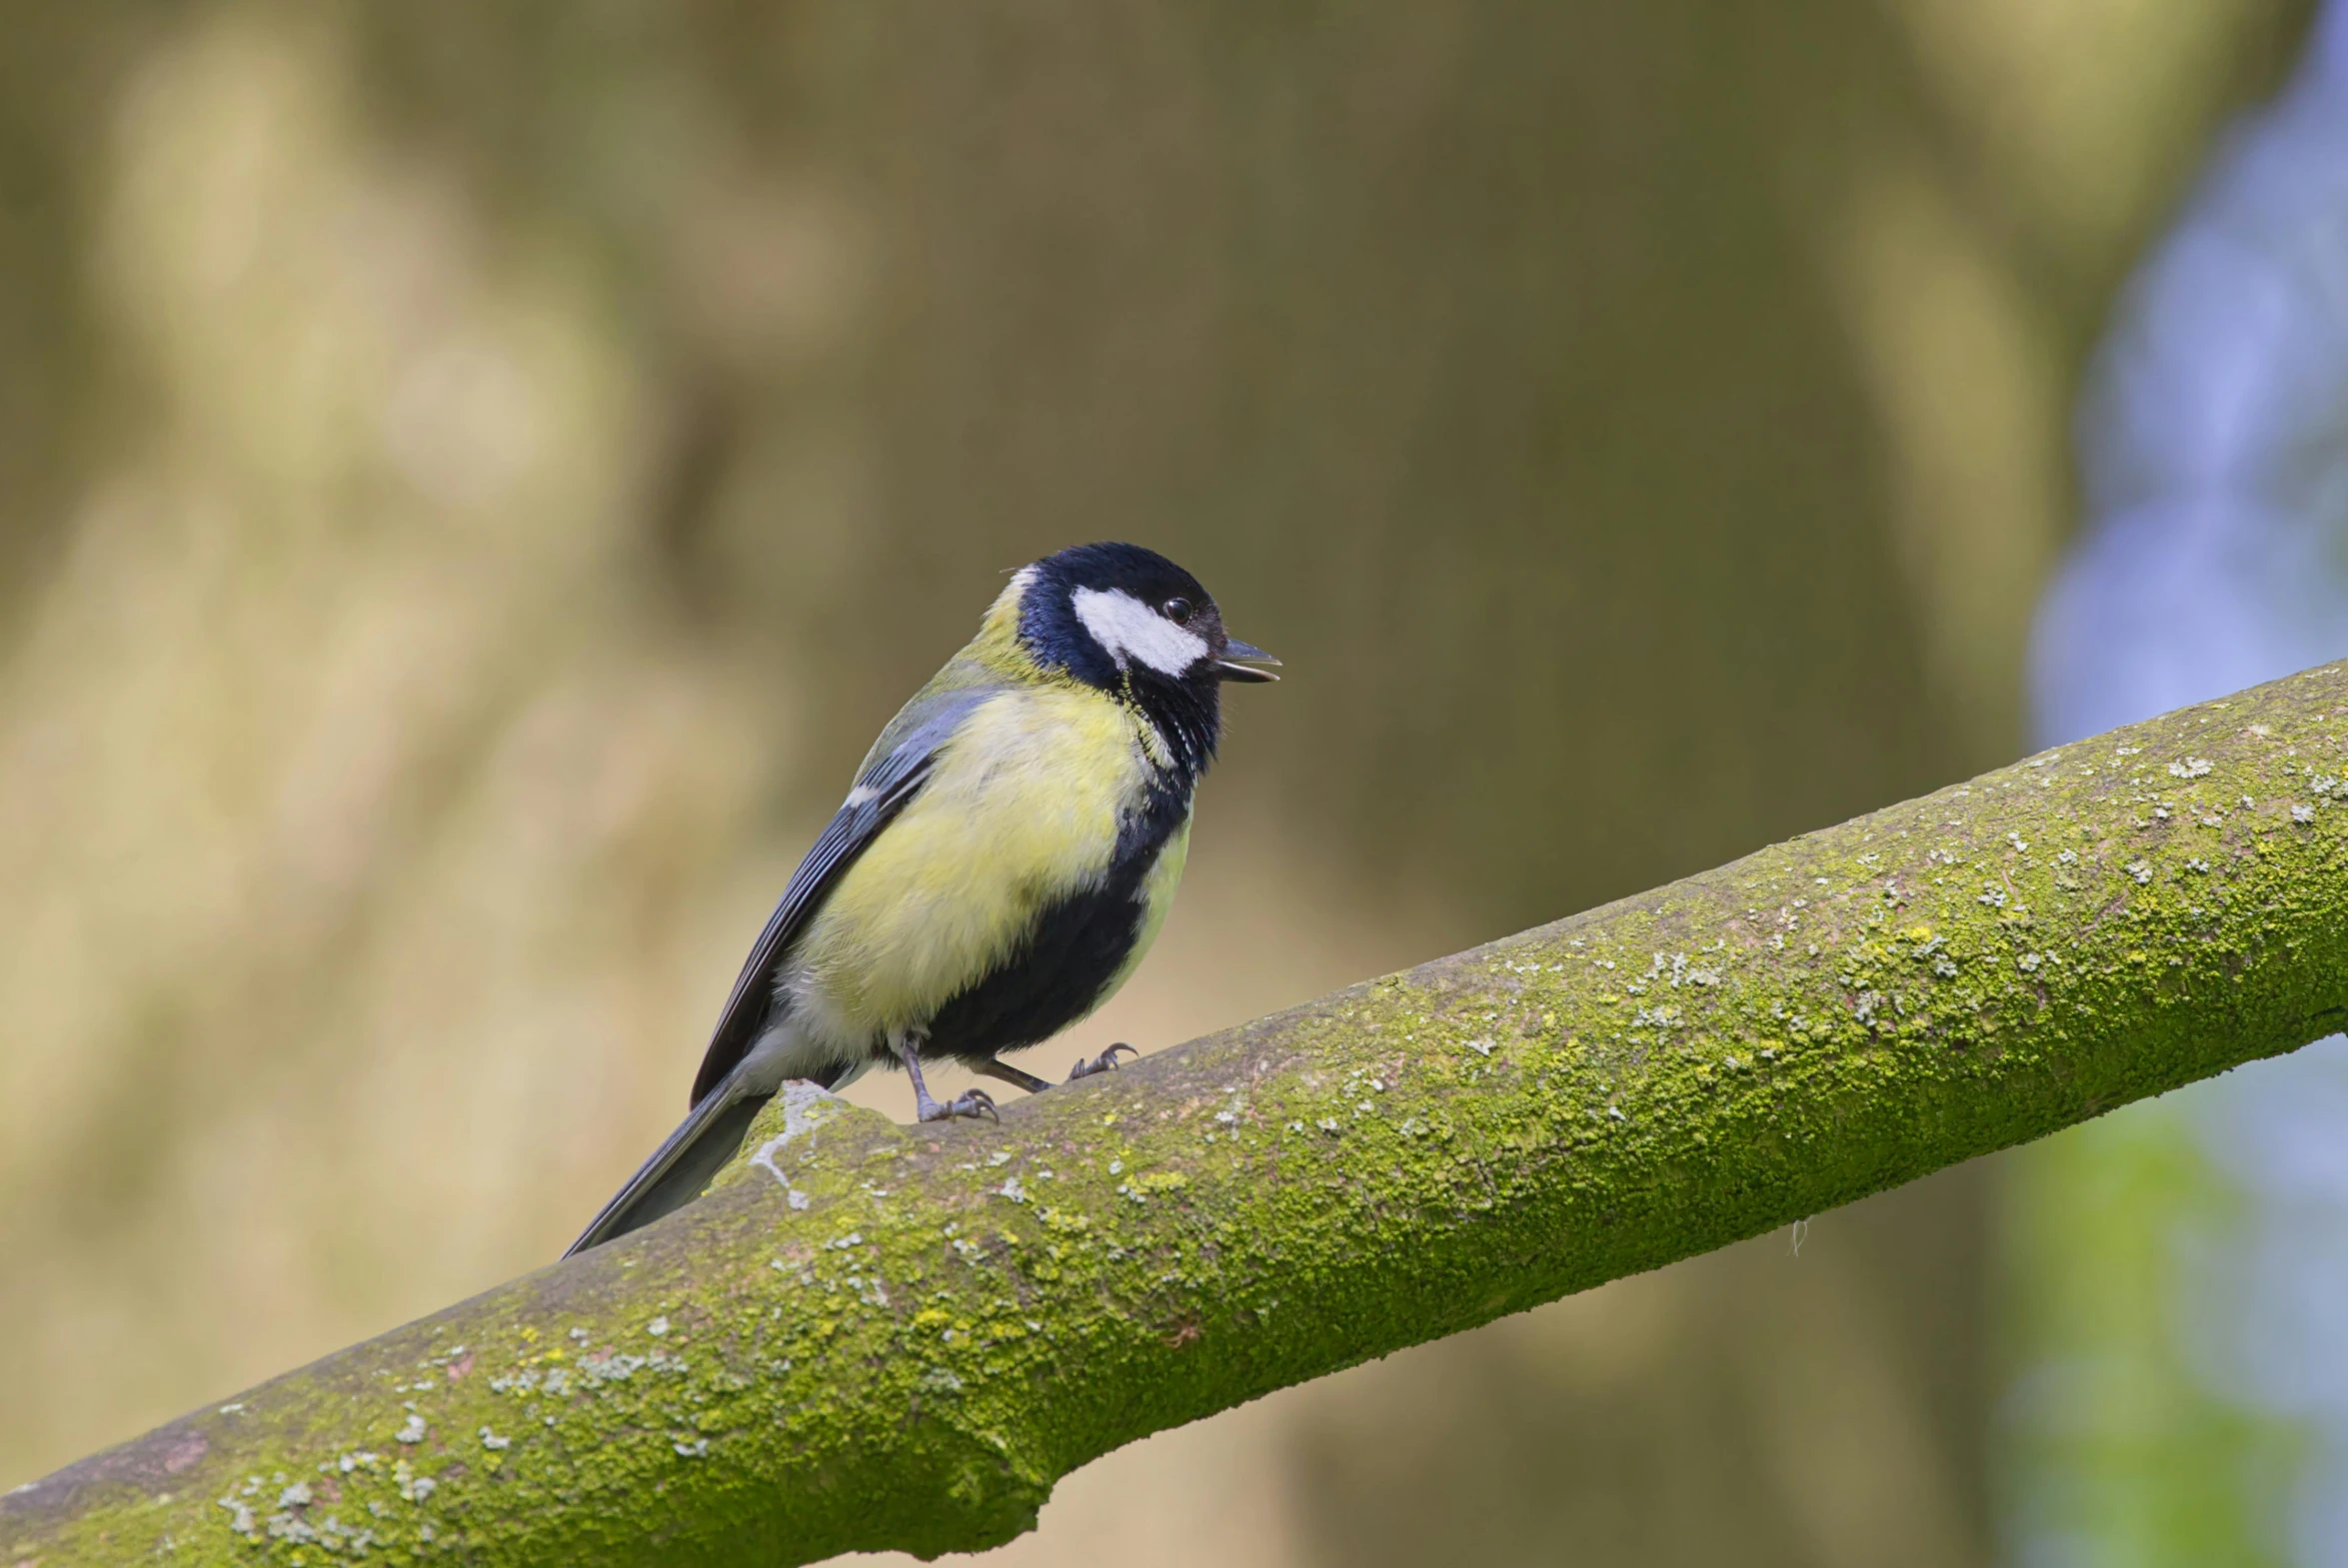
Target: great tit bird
(1005,857)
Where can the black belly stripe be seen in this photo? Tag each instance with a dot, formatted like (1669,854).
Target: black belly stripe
(1075,947)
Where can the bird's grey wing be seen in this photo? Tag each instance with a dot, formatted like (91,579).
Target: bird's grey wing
(893,774)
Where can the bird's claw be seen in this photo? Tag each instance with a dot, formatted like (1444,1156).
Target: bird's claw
(1100,1063)
(973,1103)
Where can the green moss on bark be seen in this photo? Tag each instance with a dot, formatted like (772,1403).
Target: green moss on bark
(871,1336)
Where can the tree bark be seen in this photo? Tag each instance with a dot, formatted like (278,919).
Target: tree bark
(870,1335)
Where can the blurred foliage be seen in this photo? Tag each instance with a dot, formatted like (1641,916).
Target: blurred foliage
(484,470)
(2116,1450)
(2179,1349)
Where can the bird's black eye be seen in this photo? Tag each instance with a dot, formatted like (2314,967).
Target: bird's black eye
(1178,610)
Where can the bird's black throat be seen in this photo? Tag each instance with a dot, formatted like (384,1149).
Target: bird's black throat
(1186,714)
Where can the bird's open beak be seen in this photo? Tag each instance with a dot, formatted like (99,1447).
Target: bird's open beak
(1239,658)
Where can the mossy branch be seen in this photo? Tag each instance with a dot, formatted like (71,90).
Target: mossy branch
(871,1336)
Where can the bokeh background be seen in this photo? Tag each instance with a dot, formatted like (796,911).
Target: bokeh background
(474,474)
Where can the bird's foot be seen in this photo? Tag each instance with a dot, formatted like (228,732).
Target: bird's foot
(1100,1063)
(973,1103)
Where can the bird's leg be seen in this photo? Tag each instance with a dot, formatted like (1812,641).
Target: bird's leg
(1100,1063)
(971,1102)
(1035,1086)
(1011,1074)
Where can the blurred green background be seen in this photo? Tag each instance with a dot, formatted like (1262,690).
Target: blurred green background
(474,474)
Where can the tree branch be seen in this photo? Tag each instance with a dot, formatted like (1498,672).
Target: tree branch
(870,1335)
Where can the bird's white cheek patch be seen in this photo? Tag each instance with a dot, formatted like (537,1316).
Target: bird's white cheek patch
(1129,629)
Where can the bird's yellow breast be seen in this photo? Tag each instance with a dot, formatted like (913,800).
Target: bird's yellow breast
(1022,809)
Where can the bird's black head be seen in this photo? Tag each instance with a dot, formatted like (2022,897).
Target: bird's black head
(1131,623)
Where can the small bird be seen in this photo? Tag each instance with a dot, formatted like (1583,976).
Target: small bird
(1005,857)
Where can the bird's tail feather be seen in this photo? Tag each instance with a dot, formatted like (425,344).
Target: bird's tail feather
(700,1147)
